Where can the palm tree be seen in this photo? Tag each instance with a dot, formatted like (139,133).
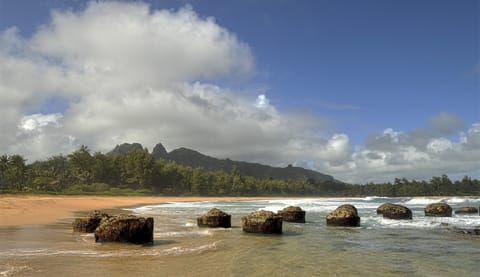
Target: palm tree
(3,170)
(17,169)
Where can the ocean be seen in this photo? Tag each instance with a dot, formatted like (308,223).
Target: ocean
(424,246)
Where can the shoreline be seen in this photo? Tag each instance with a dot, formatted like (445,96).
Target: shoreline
(31,209)
(18,210)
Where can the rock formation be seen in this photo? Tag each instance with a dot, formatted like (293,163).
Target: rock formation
(264,222)
(467,210)
(438,210)
(125,228)
(344,215)
(88,225)
(292,214)
(394,211)
(214,218)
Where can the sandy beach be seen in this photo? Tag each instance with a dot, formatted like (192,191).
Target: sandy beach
(45,209)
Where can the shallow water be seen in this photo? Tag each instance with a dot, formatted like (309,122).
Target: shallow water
(423,246)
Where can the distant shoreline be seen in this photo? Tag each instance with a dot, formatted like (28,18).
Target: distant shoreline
(44,209)
(32,209)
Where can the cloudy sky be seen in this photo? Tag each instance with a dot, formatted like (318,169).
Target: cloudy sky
(362,90)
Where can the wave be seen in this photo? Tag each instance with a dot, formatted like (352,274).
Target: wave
(9,270)
(448,200)
(143,251)
(177,234)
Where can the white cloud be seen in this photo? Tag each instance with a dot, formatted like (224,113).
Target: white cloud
(398,154)
(130,74)
(439,145)
(262,102)
(37,122)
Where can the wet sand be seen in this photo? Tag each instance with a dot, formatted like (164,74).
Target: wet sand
(44,209)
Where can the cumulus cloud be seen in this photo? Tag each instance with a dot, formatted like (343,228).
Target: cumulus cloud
(262,102)
(132,74)
(38,122)
(417,154)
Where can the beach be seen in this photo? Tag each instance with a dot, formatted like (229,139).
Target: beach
(45,209)
(37,239)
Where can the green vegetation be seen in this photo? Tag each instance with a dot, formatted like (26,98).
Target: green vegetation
(139,173)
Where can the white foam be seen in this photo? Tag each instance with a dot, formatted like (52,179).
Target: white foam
(176,251)
(370,198)
(9,270)
(176,234)
(448,200)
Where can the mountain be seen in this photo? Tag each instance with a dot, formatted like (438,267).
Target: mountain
(124,148)
(192,158)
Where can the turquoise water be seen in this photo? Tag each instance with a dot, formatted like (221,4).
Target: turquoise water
(423,246)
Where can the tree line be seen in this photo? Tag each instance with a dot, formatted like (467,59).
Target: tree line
(137,172)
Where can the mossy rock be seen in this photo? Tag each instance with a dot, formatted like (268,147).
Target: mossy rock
(438,210)
(292,214)
(88,225)
(125,228)
(345,215)
(467,210)
(394,211)
(263,222)
(215,218)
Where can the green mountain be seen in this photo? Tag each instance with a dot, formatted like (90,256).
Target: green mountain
(192,158)
(124,148)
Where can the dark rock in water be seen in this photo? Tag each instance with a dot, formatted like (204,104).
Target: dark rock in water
(475,231)
(467,210)
(214,218)
(344,215)
(292,214)
(125,228)
(88,225)
(438,210)
(382,207)
(264,222)
(394,211)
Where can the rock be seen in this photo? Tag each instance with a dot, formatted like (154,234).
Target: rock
(159,152)
(438,210)
(88,225)
(125,228)
(394,211)
(264,222)
(214,218)
(475,231)
(344,215)
(292,214)
(467,210)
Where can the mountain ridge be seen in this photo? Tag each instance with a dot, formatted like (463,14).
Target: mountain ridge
(192,158)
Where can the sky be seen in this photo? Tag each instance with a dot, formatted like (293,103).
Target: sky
(366,91)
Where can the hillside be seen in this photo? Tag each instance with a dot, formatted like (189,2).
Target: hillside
(192,158)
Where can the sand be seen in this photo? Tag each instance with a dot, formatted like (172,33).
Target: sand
(41,209)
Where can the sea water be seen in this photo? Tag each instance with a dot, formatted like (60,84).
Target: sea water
(423,246)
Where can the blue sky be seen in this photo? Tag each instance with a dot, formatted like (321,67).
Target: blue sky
(374,88)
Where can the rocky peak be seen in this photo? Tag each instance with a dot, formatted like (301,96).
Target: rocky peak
(159,152)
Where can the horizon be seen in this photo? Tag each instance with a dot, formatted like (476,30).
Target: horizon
(364,92)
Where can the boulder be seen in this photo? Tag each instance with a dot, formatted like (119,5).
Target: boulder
(394,211)
(438,210)
(474,231)
(214,218)
(264,222)
(467,210)
(344,215)
(125,228)
(88,225)
(292,214)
